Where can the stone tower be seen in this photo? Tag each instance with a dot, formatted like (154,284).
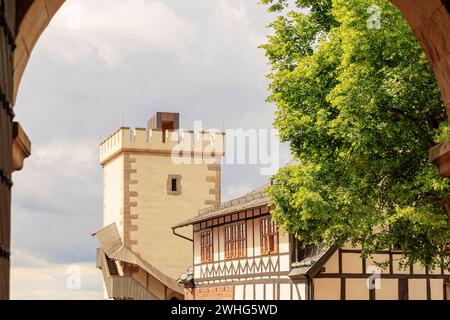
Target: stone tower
(149,186)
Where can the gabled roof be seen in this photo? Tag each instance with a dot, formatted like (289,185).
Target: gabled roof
(254,199)
(315,258)
(111,243)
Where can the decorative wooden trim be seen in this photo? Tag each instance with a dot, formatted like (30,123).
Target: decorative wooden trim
(383,276)
(403,289)
(427,272)
(317,267)
(391,262)
(264,291)
(232,272)
(343,288)
(372,295)
(225,222)
(446,290)
(360,251)
(238,259)
(364,265)
(230,281)
(253,238)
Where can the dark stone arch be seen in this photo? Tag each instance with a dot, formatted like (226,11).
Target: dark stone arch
(25,21)
(430,21)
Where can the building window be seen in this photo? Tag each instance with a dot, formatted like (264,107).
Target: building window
(174,185)
(269,237)
(235,240)
(206,245)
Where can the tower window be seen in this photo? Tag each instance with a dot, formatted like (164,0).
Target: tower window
(174,185)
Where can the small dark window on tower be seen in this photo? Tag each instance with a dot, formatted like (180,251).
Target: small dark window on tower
(174,185)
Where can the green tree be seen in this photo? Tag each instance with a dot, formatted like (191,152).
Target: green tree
(360,107)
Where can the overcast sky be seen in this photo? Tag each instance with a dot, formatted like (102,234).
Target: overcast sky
(123,59)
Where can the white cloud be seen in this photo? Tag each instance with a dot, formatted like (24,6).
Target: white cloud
(34,278)
(59,162)
(66,154)
(110,30)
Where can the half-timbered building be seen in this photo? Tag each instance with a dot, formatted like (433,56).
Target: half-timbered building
(239,254)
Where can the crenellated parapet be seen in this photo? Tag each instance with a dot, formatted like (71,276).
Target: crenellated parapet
(176,143)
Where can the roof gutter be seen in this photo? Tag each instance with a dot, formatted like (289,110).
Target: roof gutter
(180,235)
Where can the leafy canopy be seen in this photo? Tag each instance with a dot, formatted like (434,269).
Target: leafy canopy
(360,108)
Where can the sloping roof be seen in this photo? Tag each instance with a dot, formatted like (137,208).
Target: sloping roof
(111,243)
(311,264)
(254,199)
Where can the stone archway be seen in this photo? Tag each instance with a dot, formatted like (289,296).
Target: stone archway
(32,19)
(430,21)
(23,21)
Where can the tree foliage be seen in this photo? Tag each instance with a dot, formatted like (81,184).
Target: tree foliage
(360,108)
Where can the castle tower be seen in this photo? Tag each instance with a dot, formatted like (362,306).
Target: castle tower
(148,186)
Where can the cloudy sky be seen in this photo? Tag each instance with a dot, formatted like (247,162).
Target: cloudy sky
(103,61)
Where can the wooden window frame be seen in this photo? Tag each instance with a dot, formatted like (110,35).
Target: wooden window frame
(206,246)
(269,237)
(235,241)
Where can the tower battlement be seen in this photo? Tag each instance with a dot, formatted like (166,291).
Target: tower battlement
(175,142)
(155,177)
